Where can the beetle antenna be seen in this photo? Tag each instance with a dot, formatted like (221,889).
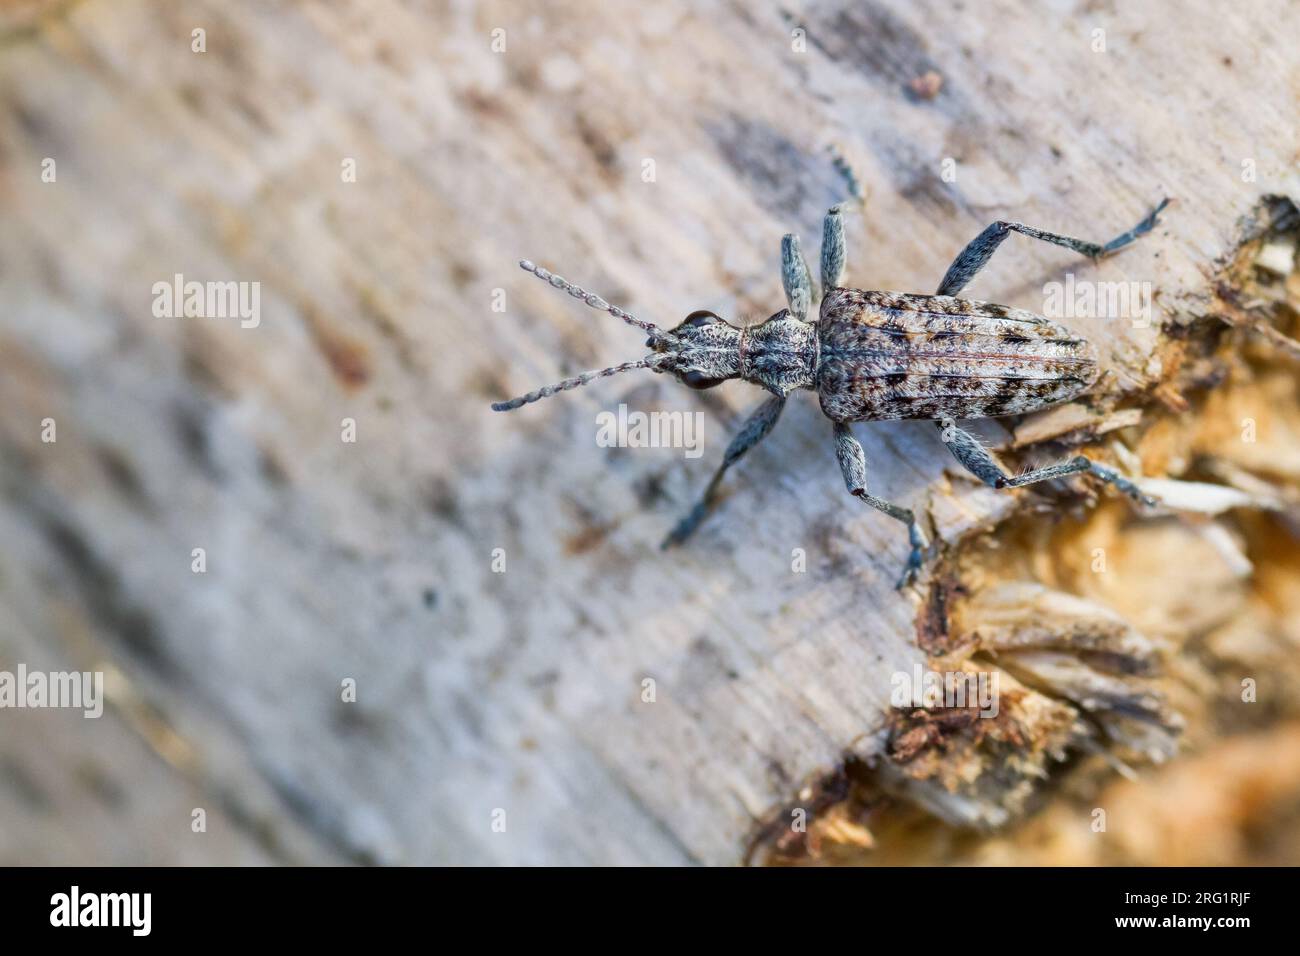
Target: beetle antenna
(595,301)
(655,362)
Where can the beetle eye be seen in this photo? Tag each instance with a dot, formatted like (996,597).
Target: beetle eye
(699,381)
(700,318)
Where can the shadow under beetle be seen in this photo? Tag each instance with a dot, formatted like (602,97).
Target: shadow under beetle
(875,356)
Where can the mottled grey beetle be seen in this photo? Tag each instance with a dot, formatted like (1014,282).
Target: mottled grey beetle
(874,356)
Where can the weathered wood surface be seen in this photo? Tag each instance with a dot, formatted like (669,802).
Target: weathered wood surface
(329,560)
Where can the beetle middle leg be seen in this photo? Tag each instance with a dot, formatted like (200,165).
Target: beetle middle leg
(753,431)
(796,277)
(853,465)
(832,250)
(979,461)
(971,259)
(852,182)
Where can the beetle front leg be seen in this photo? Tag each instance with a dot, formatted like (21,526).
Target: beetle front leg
(795,277)
(979,461)
(753,431)
(980,249)
(853,465)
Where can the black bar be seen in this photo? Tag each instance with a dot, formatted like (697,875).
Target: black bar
(333,906)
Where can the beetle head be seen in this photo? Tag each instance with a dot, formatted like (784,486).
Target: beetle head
(702,352)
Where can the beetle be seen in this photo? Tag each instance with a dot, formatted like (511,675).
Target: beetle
(877,356)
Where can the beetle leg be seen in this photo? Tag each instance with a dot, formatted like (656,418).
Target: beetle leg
(795,277)
(972,258)
(753,431)
(832,250)
(851,181)
(853,465)
(979,461)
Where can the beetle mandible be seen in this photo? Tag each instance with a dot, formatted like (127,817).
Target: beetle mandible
(876,356)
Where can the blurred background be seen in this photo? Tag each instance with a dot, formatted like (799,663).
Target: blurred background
(346,614)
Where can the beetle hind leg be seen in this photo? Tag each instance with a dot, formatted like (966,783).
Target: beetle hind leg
(980,249)
(979,461)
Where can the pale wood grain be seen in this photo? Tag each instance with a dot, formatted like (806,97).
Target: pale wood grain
(372,560)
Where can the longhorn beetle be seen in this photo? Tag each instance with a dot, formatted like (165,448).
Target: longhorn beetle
(876,356)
